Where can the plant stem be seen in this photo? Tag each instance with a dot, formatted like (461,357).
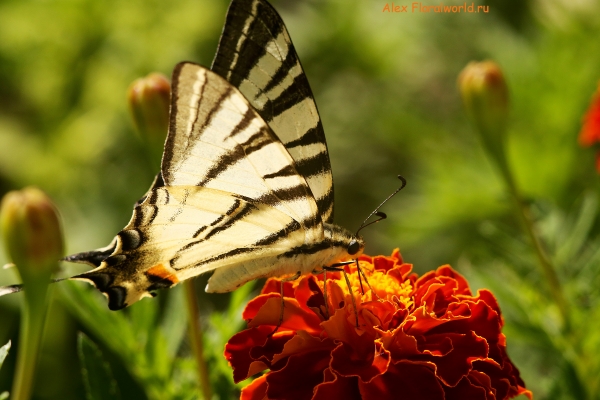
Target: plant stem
(196,337)
(547,267)
(30,338)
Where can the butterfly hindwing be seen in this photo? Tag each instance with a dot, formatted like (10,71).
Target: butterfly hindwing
(257,56)
(189,230)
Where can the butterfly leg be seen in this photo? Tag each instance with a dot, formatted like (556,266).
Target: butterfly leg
(281,282)
(338,268)
(361,272)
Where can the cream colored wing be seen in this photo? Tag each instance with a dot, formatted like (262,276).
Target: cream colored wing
(230,197)
(182,231)
(217,140)
(257,56)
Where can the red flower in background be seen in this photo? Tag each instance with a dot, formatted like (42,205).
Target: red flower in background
(425,337)
(590,131)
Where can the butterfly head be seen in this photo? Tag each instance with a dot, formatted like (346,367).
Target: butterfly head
(124,284)
(356,246)
(347,245)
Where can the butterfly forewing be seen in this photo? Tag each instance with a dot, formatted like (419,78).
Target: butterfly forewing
(217,140)
(256,55)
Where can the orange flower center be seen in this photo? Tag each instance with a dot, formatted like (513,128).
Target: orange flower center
(385,286)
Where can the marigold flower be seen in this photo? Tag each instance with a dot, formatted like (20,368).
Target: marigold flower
(590,129)
(422,337)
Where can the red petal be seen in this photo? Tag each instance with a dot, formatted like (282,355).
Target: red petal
(298,378)
(483,320)
(337,327)
(302,343)
(397,256)
(400,272)
(378,314)
(400,344)
(273,285)
(590,131)
(337,387)
(383,263)
(405,380)
(420,321)
(448,271)
(257,390)
(255,305)
(453,354)
(294,316)
(346,362)
(466,390)
(310,295)
(250,351)
(505,380)
(489,299)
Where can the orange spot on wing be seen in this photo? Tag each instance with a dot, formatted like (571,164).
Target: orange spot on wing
(162,272)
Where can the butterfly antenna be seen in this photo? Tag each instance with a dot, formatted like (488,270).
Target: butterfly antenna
(376,211)
(20,287)
(381,216)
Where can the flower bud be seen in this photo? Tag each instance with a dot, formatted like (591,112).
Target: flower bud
(485,96)
(149,105)
(32,232)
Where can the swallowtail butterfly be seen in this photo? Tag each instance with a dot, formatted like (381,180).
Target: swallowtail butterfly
(245,188)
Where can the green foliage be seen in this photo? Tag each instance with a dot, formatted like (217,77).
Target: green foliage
(149,339)
(97,376)
(536,340)
(146,344)
(386,89)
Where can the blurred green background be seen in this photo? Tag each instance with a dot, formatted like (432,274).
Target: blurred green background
(385,85)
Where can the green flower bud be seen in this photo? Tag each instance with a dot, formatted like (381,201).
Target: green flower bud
(485,96)
(32,233)
(149,105)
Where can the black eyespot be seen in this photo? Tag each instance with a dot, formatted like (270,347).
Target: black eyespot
(116,297)
(353,247)
(101,280)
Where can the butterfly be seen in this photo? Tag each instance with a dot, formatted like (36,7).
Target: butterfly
(245,188)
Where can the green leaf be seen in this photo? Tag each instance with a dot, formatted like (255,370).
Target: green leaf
(97,376)
(90,308)
(174,321)
(4,352)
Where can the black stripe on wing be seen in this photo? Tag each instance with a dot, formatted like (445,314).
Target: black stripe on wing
(249,27)
(264,242)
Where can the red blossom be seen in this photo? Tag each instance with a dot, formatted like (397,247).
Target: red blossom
(590,130)
(422,337)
